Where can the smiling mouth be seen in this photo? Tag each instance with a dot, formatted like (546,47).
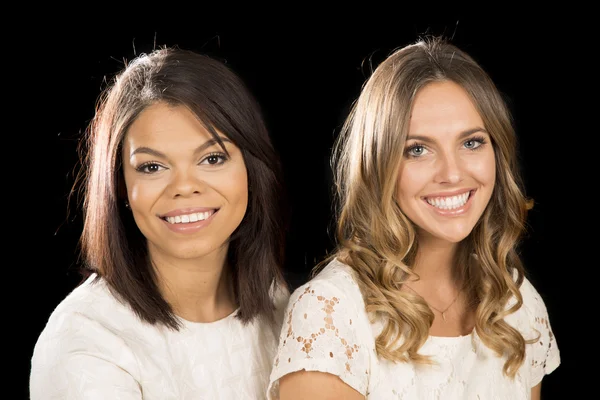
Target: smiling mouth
(190,218)
(449,202)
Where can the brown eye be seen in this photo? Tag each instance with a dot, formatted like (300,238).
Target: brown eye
(149,168)
(152,168)
(214,159)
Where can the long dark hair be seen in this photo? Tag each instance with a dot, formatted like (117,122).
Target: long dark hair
(111,244)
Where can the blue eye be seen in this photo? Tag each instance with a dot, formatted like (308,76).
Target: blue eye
(416,150)
(474,143)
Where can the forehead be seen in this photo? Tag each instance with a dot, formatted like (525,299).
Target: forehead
(443,107)
(162,121)
(172,130)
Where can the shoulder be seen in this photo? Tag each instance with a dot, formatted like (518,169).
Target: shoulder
(338,276)
(85,336)
(80,303)
(533,311)
(533,321)
(90,301)
(87,319)
(326,329)
(532,300)
(333,284)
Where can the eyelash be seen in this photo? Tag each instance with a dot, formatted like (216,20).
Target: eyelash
(220,155)
(480,139)
(144,167)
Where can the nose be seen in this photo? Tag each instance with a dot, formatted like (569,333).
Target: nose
(449,169)
(186,184)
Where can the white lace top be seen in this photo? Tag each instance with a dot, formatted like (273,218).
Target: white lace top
(94,347)
(326,329)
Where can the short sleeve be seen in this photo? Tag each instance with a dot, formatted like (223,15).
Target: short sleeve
(545,356)
(81,360)
(319,333)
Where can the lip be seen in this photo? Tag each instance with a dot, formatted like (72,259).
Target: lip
(184,211)
(190,227)
(455,211)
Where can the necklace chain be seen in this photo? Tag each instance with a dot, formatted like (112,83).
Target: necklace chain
(443,313)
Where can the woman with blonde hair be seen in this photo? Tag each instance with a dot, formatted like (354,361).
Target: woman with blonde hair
(425,296)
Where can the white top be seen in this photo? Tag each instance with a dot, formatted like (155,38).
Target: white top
(327,329)
(94,347)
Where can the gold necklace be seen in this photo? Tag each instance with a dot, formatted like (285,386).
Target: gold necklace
(436,309)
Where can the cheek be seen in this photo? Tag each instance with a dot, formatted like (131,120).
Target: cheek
(130,186)
(136,194)
(143,192)
(234,187)
(240,188)
(411,179)
(484,169)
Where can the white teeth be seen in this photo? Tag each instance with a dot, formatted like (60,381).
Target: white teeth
(184,219)
(449,203)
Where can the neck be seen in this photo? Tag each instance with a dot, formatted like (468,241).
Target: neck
(434,264)
(441,288)
(434,261)
(198,290)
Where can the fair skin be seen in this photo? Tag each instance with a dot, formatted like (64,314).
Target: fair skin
(187,197)
(445,181)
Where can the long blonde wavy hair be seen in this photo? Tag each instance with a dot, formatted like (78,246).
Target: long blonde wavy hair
(379,242)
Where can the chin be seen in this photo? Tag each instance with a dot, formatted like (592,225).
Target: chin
(191,251)
(455,239)
(458,236)
(448,237)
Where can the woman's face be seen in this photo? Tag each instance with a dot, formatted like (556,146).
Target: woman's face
(187,196)
(448,170)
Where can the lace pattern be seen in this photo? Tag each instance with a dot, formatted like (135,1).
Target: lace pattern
(327,329)
(544,356)
(318,335)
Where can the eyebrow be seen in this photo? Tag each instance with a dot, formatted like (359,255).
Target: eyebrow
(199,149)
(462,135)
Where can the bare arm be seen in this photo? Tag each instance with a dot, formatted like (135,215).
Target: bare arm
(536,392)
(303,385)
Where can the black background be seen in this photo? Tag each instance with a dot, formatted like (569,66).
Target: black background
(305,75)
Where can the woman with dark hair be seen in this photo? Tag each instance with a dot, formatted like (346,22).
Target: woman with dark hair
(183,243)
(426,296)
